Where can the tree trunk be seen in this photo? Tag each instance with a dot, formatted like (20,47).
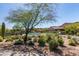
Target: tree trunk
(25,39)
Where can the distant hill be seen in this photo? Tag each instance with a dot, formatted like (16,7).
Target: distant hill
(61,27)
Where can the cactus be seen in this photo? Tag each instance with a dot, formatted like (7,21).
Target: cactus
(3,30)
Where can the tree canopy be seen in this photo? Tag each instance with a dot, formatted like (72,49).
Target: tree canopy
(35,14)
(32,15)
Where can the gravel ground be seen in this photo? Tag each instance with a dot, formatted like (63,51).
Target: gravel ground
(62,51)
(8,49)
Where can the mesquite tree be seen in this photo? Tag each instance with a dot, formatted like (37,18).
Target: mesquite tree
(31,16)
(3,30)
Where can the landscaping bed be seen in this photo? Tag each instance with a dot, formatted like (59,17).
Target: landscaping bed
(20,50)
(43,45)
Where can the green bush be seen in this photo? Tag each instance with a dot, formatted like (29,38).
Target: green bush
(41,42)
(61,42)
(72,42)
(35,39)
(51,36)
(1,39)
(14,37)
(53,44)
(30,43)
(42,39)
(49,39)
(69,37)
(8,38)
(76,41)
(43,36)
(18,42)
(77,34)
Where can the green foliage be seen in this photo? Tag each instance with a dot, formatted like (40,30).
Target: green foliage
(43,36)
(61,41)
(30,42)
(1,39)
(75,40)
(42,39)
(18,42)
(12,38)
(53,44)
(9,40)
(41,42)
(3,30)
(29,18)
(72,28)
(72,42)
(22,15)
(77,34)
(35,39)
(51,36)
(69,37)
(49,39)
(56,37)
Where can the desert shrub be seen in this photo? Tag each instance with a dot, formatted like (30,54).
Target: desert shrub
(51,36)
(30,42)
(77,34)
(29,38)
(16,37)
(12,38)
(76,40)
(49,39)
(35,39)
(69,37)
(42,39)
(72,42)
(43,36)
(18,42)
(60,41)
(1,39)
(53,44)
(8,38)
(41,42)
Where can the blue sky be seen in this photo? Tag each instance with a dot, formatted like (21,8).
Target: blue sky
(65,13)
